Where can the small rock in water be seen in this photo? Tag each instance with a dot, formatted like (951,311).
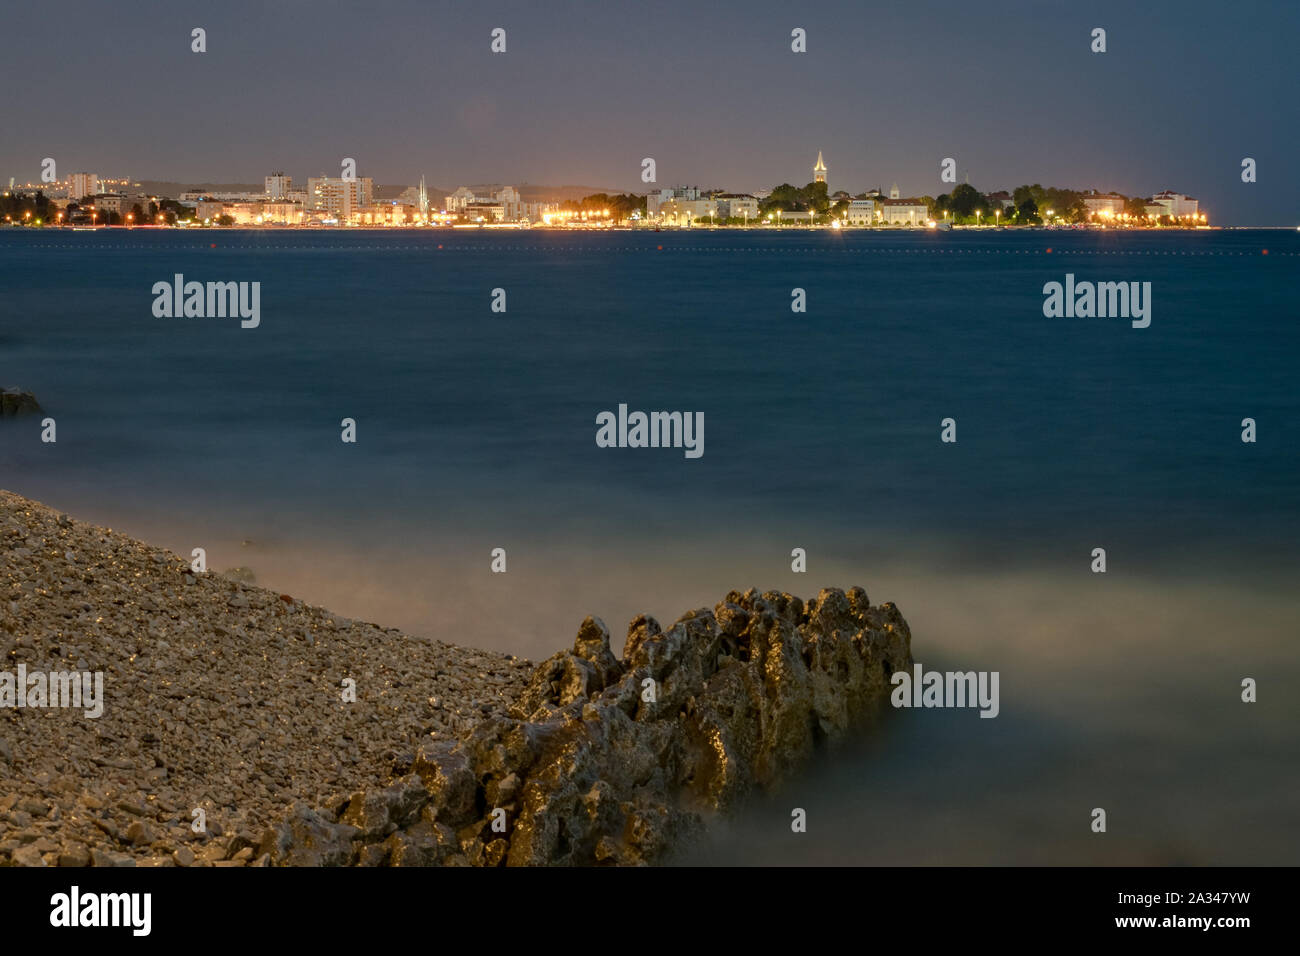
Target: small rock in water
(17,401)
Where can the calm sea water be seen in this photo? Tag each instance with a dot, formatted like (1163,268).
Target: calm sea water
(476,430)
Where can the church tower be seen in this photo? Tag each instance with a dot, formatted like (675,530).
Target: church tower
(819,171)
(893,191)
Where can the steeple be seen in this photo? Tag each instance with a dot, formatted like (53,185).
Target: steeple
(819,171)
(893,191)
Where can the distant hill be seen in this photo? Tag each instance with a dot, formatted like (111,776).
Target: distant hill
(171,190)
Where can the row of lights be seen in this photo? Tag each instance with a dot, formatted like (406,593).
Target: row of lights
(570,215)
(1125,217)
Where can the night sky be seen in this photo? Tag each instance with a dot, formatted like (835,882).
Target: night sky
(712,91)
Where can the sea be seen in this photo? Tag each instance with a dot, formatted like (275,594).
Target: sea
(474,365)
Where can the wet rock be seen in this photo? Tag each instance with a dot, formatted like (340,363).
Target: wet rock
(17,401)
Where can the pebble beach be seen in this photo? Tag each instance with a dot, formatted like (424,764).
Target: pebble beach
(219,697)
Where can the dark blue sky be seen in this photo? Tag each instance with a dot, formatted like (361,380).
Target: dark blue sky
(710,90)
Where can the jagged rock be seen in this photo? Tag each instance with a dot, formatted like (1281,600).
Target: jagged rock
(603,761)
(592,645)
(17,401)
(446,775)
(639,631)
(305,838)
(373,854)
(377,813)
(422,844)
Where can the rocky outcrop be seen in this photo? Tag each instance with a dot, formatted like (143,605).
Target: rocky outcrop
(17,401)
(226,698)
(609,761)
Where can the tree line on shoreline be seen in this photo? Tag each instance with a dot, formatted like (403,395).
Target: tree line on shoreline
(38,209)
(1029,205)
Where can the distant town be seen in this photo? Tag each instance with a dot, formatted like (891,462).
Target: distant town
(89,201)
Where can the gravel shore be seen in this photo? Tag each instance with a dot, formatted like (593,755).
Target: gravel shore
(218,696)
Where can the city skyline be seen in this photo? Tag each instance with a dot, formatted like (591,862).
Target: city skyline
(353,200)
(414,89)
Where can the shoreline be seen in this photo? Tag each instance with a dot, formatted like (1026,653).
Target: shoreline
(231,700)
(219,696)
(511,227)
